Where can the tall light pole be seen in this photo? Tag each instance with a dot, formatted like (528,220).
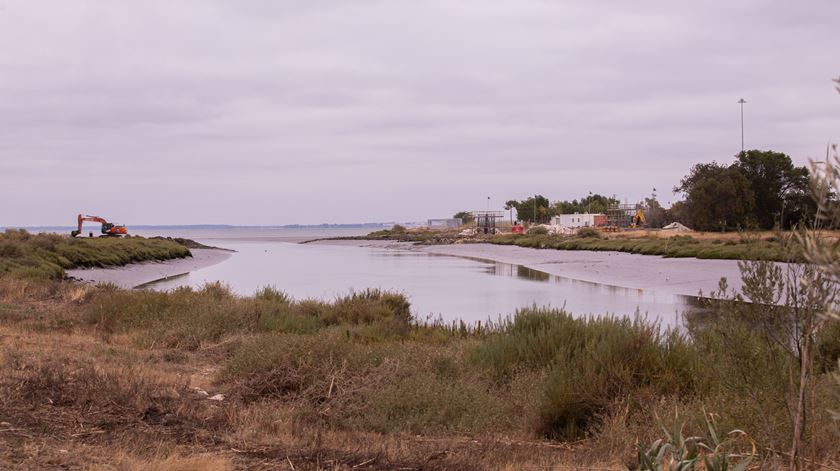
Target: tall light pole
(488,203)
(741,102)
(535,209)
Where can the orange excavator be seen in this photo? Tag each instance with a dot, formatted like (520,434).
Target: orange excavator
(108,229)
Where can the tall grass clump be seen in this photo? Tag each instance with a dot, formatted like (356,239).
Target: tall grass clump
(187,318)
(590,363)
(589,232)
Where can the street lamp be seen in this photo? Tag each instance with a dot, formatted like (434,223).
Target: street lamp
(535,209)
(742,101)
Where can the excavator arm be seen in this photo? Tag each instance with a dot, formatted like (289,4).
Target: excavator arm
(638,219)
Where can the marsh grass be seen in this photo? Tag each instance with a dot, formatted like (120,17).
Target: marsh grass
(189,319)
(590,363)
(46,256)
(673,247)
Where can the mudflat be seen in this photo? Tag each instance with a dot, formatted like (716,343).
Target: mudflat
(137,274)
(679,276)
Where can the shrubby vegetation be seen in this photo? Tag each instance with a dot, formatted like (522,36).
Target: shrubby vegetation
(466,216)
(363,363)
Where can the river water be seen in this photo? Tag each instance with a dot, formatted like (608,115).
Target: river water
(445,287)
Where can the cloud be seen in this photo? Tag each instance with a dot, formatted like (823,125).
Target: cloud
(383,110)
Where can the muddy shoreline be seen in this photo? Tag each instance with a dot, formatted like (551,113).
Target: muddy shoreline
(137,274)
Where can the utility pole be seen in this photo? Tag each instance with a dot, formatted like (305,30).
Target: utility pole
(589,204)
(742,101)
(535,209)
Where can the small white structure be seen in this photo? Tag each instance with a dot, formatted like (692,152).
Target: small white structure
(449,223)
(675,226)
(575,220)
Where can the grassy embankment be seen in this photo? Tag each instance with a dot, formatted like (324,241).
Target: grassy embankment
(102,377)
(704,245)
(46,256)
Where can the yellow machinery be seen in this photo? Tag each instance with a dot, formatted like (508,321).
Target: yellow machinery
(638,219)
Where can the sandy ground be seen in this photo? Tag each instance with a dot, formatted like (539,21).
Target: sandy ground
(682,276)
(137,274)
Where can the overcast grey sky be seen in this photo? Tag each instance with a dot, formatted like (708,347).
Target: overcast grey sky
(275,112)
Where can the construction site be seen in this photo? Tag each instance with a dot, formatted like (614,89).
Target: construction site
(618,218)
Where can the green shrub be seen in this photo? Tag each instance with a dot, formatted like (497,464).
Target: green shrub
(588,232)
(591,363)
(188,319)
(537,230)
(277,365)
(423,402)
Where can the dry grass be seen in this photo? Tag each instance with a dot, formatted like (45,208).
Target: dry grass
(68,401)
(354,393)
(78,400)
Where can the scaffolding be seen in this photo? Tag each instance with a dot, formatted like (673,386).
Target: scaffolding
(485,221)
(620,216)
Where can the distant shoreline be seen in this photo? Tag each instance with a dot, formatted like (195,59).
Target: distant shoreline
(68,228)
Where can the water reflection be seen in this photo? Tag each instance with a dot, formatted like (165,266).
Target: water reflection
(437,285)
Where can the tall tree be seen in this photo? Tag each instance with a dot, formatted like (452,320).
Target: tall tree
(781,190)
(654,212)
(534,209)
(589,204)
(466,216)
(717,197)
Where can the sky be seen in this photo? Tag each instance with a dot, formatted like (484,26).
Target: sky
(268,112)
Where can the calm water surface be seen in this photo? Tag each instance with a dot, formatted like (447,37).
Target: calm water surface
(437,286)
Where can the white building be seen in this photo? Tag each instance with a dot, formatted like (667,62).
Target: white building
(578,220)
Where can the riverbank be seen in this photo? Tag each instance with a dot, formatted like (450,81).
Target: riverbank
(137,274)
(764,245)
(47,256)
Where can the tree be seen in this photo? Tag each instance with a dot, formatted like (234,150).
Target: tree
(535,209)
(717,197)
(596,203)
(466,216)
(654,212)
(676,213)
(780,189)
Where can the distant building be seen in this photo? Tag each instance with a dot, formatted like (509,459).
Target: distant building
(579,220)
(450,223)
